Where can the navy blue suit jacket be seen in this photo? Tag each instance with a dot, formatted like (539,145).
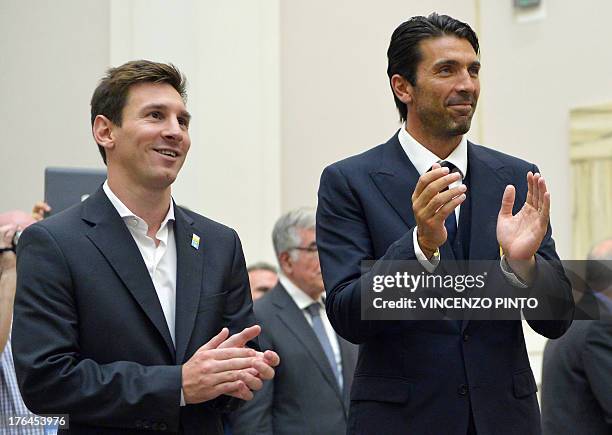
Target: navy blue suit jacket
(89,334)
(421,376)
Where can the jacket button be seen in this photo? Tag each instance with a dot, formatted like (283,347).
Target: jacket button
(163,426)
(462,390)
(466,337)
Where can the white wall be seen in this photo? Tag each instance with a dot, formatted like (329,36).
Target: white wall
(535,73)
(51,55)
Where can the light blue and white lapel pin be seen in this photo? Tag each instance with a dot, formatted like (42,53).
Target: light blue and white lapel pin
(195,241)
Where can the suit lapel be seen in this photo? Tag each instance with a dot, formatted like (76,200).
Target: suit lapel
(488,179)
(487,184)
(190,265)
(396,179)
(113,239)
(294,320)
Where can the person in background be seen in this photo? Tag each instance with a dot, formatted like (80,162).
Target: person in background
(309,393)
(262,277)
(11,403)
(577,368)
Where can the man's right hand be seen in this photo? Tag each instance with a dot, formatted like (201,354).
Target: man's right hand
(431,206)
(225,366)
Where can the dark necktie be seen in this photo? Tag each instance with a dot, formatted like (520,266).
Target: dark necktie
(317,325)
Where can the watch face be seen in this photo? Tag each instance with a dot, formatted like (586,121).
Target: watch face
(16,238)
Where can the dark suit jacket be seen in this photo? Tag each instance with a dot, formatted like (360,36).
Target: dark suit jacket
(577,381)
(421,376)
(304,397)
(89,335)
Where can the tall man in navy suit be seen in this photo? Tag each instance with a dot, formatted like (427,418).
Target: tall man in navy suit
(125,303)
(430,196)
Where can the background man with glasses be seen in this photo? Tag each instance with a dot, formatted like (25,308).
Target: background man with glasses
(318,365)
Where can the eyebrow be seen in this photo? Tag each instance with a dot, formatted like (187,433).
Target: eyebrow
(148,107)
(453,62)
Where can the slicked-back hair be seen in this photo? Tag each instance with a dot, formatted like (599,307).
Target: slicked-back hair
(110,96)
(404,53)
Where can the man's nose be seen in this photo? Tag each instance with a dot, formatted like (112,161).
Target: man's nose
(466,82)
(173,129)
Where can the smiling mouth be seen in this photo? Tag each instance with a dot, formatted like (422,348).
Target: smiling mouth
(462,108)
(167,153)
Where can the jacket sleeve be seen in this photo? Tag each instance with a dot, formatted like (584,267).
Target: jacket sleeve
(344,242)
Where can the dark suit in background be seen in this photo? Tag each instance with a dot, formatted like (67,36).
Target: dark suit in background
(427,377)
(89,330)
(304,397)
(577,378)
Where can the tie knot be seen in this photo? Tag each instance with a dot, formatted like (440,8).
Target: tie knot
(314,309)
(448,165)
(451,168)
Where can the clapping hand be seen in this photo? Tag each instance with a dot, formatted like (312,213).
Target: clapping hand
(520,235)
(225,366)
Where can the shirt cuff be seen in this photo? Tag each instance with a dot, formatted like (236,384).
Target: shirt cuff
(510,275)
(182,398)
(428,265)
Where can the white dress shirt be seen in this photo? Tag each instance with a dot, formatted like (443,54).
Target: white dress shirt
(160,260)
(423,160)
(303,301)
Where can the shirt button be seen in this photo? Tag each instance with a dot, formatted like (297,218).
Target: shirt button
(466,337)
(462,390)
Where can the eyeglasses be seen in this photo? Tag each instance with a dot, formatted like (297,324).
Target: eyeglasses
(312,248)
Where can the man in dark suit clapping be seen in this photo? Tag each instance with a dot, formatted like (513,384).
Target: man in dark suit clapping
(125,303)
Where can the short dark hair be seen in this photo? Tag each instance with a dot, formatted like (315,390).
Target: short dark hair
(111,94)
(404,53)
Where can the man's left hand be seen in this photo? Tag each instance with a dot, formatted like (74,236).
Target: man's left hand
(520,235)
(265,361)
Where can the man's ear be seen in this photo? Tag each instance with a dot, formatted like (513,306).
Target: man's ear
(103,132)
(285,262)
(402,88)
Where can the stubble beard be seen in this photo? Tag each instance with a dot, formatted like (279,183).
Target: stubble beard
(443,124)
